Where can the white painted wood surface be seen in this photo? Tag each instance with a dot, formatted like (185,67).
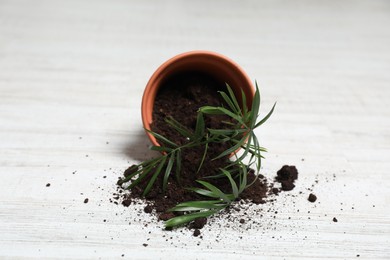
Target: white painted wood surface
(72,75)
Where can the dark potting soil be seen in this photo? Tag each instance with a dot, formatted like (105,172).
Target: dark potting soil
(312,197)
(286,176)
(181,97)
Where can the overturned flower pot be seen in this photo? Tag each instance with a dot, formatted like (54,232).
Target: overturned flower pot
(215,66)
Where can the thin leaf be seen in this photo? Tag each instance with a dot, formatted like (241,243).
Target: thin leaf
(211,110)
(168,171)
(198,205)
(256,142)
(245,146)
(232,149)
(203,157)
(229,102)
(154,177)
(180,220)
(221,111)
(179,127)
(255,107)
(244,104)
(204,192)
(160,148)
(266,117)
(200,126)
(230,123)
(142,174)
(230,132)
(162,138)
(216,176)
(178,165)
(144,167)
(232,182)
(243,179)
(233,98)
(215,190)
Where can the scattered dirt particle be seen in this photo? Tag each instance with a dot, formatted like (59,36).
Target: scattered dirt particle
(148,209)
(145,245)
(126,202)
(312,197)
(335,220)
(198,223)
(242,221)
(286,176)
(196,232)
(48,185)
(86,200)
(166,216)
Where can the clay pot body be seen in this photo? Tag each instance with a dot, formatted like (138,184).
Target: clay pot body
(215,65)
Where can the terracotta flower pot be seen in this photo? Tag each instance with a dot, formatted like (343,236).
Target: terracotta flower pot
(216,65)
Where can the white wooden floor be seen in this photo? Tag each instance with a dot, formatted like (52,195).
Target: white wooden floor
(72,75)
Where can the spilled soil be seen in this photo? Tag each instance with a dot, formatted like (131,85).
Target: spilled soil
(180,97)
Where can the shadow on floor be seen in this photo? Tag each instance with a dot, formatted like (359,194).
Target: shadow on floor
(138,148)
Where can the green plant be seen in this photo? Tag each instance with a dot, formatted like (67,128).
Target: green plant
(239,132)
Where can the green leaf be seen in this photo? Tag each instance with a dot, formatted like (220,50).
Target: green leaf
(215,190)
(243,179)
(178,165)
(229,102)
(200,126)
(221,111)
(227,132)
(232,183)
(230,123)
(180,220)
(266,117)
(258,157)
(204,192)
(162,138)
(160,148)
(244,105)
(168,171)
(154,177)
(179,127)
(255,107)
(244,145)
(143,173)
(216,176)
(203,157)
(211,110)
(234,100)
(263,149)
(198,205)
(232,149)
